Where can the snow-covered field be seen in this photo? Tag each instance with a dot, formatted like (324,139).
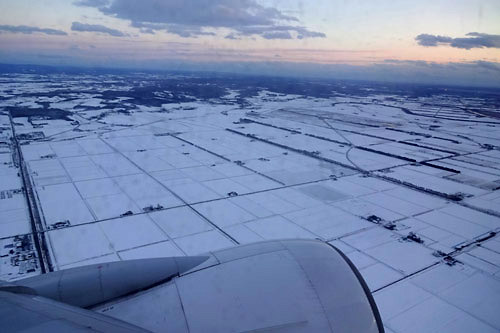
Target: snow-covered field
(408,191)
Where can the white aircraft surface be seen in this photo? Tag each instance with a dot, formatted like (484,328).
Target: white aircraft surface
(274,286)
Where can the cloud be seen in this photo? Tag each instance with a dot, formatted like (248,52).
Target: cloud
(277,35)
(473,40)
(23,29)
(91,3)
(82,27)
(432,40)
(178,29)
(279,32)
(192,18)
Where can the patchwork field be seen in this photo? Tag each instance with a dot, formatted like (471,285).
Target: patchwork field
(406,186)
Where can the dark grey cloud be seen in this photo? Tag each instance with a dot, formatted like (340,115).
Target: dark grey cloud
(91,3)
(82,27)
(178,29)
(24,29)
(188,31)
(192,18)
(432,40)
(277,35)
(473,40)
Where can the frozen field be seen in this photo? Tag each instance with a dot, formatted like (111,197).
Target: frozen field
(407,187)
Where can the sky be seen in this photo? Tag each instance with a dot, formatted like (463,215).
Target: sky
(436,41)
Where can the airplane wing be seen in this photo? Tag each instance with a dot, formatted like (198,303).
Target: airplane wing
(31,313)
(273,286)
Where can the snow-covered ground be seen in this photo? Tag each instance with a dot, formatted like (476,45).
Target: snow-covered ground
(411,196)
(18,258)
